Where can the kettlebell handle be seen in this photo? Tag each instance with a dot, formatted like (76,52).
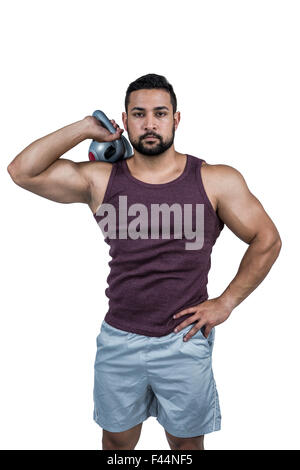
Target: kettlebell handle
(104,120)
(109,151)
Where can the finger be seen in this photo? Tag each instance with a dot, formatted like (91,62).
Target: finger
(207,332)
(116,135)
(194,330)
(185,311)
(191,333)
(114,123)
(185,323)
(116,126)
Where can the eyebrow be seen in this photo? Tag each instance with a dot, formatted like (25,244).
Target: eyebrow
(143,109)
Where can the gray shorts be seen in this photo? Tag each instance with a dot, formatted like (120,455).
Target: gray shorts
(138,376)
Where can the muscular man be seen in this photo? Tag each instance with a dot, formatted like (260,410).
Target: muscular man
(161,212)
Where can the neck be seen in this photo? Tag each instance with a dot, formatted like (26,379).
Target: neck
(165,163)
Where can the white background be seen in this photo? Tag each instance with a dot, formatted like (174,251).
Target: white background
(234,66)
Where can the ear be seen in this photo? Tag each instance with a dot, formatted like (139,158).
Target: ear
(124,119)
(177,119)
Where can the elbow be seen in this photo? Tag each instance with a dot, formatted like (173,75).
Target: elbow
(275,245)
(10,170)
(13,173)
(278,245)
(270,242)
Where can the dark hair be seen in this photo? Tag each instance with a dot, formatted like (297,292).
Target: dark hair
(152,80)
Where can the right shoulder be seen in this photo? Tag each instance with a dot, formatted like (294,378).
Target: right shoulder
(96,170)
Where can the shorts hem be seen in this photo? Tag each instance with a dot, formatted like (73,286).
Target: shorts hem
(181,433)
(119,427)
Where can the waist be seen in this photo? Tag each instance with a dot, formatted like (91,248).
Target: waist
(148,309)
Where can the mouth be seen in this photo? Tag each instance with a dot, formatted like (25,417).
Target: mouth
(150,137)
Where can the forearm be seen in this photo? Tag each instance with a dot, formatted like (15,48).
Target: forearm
(40,154)
(255,265)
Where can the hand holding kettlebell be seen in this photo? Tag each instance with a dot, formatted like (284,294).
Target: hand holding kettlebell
(99,133)
(108,145)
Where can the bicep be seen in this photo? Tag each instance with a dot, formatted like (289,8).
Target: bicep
(239,209)
(64,181)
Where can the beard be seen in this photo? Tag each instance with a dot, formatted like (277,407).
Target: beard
(152,148)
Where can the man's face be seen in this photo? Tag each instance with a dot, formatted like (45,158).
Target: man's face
(150,112)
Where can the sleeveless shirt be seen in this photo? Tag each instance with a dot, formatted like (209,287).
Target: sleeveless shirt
(153,274)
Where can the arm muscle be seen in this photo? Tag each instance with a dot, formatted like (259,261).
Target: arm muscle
(239,209)
(64,181)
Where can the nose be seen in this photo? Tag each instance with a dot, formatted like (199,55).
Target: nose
(149,124)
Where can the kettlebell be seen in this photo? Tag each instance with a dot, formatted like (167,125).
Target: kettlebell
(109,151)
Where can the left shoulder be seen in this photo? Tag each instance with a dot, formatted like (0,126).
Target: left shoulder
(221,177)
(221,171)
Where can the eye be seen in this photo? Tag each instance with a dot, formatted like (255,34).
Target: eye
(161,113)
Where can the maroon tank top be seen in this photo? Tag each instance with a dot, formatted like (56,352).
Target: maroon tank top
(160,237)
